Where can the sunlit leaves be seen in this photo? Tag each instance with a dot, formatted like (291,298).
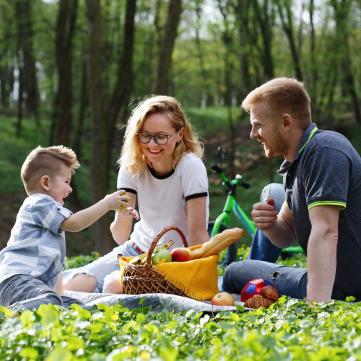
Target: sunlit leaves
(290,330)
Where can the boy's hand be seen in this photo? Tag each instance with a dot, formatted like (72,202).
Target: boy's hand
(118,201)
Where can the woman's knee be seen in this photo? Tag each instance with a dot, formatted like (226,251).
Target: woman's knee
(82,283)
(112,283)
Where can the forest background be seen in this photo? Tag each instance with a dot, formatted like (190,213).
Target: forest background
(71,71)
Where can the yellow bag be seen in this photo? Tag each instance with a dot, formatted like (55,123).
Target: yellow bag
(197,278)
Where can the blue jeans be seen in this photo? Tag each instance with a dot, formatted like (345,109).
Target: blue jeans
(24,292)
(289,281)
(262,248)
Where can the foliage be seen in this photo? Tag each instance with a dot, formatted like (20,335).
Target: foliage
(80,260)
(290,330)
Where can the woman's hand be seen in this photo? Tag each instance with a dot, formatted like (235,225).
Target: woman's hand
(122,224)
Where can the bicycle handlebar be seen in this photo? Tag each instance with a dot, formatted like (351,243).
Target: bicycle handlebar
(238,179)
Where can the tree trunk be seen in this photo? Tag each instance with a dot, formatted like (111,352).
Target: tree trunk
(313,57)
(100,130)
(167,46)
(265,21)
(287,24)
(7,85)
(77,140)
(342,14)
(19,119)
(23,10)
(202,69)
(228,84)
(123,86)
(64,46)
(242,10)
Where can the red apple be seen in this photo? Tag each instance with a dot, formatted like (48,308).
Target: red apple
(222,299)
(181,254)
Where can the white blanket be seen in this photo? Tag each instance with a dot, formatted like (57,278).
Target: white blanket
(156,301)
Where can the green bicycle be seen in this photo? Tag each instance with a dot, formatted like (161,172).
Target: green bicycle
(231,205)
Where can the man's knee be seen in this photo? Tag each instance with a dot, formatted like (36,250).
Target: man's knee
(276,192)
(82,283)
(232,276)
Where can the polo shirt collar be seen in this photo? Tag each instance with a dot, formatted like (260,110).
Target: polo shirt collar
(306,137)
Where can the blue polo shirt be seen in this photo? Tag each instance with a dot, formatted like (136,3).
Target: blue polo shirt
(327,171)
(37,243)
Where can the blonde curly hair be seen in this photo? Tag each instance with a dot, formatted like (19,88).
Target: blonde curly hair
(132,156)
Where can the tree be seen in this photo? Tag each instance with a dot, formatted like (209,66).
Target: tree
(167,46)
(124,82)
(104,114)
(342,16)
(265,15)
(26,58)
(65,26)
(285,12)
(227,39)
(100,130)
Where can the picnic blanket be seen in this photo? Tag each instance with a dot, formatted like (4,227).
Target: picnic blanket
(156,301)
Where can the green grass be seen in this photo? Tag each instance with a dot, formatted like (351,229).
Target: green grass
(289,330)
(13,150)
(208,121)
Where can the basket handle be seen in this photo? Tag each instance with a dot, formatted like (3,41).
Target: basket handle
(158,237)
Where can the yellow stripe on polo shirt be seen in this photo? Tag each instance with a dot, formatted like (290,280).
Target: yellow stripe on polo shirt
(327,203)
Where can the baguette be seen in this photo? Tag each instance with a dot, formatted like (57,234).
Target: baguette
(218,243)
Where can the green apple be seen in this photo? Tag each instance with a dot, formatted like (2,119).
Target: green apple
(161,255)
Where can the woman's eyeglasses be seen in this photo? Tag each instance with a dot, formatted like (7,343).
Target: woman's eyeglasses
(160,139)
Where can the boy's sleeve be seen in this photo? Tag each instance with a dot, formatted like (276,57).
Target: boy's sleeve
(49,214)
(194,179)
(126,181)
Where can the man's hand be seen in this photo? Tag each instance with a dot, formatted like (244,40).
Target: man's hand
(264,214)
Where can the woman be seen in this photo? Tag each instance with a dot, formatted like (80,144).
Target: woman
(160,169)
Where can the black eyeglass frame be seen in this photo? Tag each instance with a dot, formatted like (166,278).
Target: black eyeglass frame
(154,137)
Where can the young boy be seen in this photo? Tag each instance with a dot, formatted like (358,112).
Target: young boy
(32,262)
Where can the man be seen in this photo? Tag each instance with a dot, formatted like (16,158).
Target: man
(322,210)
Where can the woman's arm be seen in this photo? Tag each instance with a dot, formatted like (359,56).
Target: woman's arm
(196,219)
(121,226)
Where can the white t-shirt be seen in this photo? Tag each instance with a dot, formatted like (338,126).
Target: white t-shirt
(162,200)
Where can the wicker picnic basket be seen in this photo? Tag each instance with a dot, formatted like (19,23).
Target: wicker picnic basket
(144,278)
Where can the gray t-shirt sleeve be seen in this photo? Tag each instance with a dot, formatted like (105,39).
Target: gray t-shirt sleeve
(326,177)
(49,214)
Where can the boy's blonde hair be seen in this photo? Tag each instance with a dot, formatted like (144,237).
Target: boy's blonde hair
(46,161)
(282,95)
(132,157)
